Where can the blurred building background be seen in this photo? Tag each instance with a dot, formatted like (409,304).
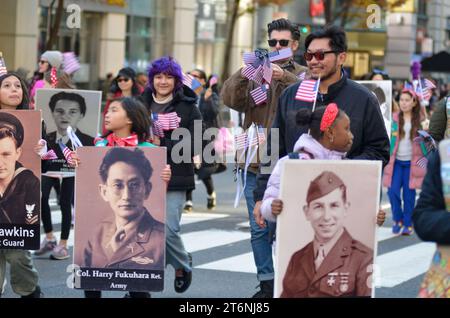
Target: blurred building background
(117,33)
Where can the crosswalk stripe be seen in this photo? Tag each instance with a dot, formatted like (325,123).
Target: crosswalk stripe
(189,218)
(404,264)
(243,263)
(201,240)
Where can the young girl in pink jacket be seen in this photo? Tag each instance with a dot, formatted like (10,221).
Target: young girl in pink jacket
(402,172)
(330,138)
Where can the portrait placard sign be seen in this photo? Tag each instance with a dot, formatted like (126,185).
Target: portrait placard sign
(20,171)
(120,201)
(61,108)
(326,233)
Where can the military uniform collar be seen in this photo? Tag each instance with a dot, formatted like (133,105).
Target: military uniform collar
(328,245)
(335,258)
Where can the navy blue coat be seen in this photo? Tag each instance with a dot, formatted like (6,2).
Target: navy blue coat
(430,217)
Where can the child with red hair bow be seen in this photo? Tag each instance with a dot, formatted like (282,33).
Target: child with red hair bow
(329,138)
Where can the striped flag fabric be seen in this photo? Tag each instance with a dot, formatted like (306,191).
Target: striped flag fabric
(71,64)
(167,121)
(307,91)
(259,74)
(49,155)
(248,72)
(261,135)
(427,86)
(66,152)
(267,72)
(422,162)
(3,69)
(259,94)
(191,82)
(280,55)
(187,80)
(249,58)
(240,141)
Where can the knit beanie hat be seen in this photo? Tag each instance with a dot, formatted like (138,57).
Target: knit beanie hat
(54,58)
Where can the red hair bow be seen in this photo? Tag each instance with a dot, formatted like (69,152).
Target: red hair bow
(329,116)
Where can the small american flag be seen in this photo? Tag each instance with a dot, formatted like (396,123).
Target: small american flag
(427,86)
(3,69)
(50,155)
(167,121)
(280,55)
(240,141)
(66,152)
(301,76)
(307,91)
(261,135)
(259,94)
(259,74)
(71,64)
(422,162)
(267,71)
(249,58)
(187,80)
(248,72)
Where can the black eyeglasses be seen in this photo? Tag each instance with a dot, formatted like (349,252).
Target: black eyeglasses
(273,42)
(319,55)
(122,80)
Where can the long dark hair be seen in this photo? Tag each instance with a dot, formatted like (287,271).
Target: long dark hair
(415,119)
(138,115)
(24,104)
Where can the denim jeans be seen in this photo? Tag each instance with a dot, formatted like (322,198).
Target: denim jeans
(400,180)
(260,240)
(176,254)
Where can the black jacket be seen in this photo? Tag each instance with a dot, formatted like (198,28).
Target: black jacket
(20,204)
(209,110)
(184,104)
(370,141)
(430,217)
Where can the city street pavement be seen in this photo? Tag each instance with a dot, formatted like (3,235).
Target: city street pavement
(219,241)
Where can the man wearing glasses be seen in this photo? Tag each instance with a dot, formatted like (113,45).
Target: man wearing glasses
(325,54)
(131,238)
(236,95)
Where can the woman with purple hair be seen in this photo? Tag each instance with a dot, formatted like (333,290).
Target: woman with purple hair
(166,96)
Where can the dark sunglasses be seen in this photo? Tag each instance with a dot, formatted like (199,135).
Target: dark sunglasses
(122,80)
(42,62)
(273,42)
(319,55)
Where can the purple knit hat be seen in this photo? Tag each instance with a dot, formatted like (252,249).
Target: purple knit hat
(166,65)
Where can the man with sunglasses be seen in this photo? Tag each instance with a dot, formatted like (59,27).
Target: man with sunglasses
(236,95)
(325,54)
